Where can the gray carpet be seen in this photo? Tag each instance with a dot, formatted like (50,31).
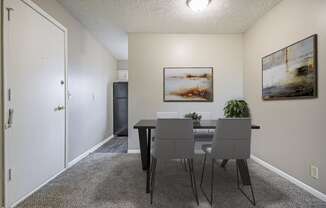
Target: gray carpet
(115,145)
(116,181)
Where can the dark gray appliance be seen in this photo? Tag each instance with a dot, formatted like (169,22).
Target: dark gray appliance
(120,108)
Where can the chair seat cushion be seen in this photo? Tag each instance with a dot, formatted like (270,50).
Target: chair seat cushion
(207,148)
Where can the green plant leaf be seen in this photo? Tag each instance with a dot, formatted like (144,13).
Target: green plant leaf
(236,108)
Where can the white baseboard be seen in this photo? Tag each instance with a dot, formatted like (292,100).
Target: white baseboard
(70,164)
(136,151)
(133,151)
(36,189)
(292,179)
(85,154)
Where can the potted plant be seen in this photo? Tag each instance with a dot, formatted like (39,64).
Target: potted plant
(194,116)
(236,109)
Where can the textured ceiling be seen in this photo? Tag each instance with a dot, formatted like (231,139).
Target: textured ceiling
(111,20)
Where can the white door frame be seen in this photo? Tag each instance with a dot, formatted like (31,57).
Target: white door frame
(44,14)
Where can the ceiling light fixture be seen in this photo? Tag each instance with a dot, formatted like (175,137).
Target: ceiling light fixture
(198,5)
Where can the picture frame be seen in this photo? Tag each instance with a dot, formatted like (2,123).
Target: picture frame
(188,84)
(291,72)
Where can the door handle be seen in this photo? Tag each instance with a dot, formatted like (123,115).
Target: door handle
(59,108)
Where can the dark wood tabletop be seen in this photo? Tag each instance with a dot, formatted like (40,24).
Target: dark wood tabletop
(203,124)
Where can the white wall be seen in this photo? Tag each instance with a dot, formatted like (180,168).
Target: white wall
(293,131)
(1,117)
(123,70)
(91,71)
(149,53)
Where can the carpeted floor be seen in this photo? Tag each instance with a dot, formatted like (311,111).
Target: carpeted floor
(105,180)
(115,145)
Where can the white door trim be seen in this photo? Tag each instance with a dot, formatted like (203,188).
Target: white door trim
(44,14)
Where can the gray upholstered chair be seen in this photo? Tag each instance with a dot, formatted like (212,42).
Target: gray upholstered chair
(231,141)
(204,135)
(174,140)
(165,115)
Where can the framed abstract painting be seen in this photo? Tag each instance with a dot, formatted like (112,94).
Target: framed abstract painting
(188,84)
(291,73)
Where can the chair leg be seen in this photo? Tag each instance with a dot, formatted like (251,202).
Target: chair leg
(191,178)
(194,180)
(253,200)
(203,170)
(185,164)
(153,178)
(212,185)
(151,170)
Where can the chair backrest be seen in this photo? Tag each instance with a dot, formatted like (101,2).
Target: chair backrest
(232,139)
(174,139)
(205,116)
(167,115)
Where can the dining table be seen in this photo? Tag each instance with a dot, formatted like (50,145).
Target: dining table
(145,128)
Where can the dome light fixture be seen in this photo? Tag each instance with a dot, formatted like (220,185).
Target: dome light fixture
(198,5)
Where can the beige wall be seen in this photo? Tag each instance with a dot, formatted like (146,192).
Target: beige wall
(293,133)
(91,71)
(149,53)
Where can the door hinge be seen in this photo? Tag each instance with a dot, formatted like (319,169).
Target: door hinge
(10,118)
(9,174)
(9,10)
(9,94)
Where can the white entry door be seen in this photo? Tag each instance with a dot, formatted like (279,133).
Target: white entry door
(34,89)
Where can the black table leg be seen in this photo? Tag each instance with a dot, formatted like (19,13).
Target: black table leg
(224,162)
(244,172)
(143,146)
(242,168)
(148,160)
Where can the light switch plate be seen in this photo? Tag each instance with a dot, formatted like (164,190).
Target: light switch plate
(314,171)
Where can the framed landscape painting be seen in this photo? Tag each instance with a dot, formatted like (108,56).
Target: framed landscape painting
(291,73)
(188,84)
